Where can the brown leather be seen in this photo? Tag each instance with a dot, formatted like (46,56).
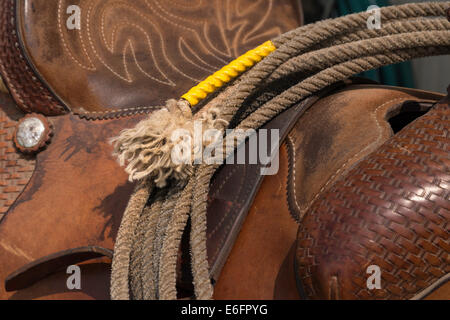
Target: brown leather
(15,168)
(72,196)
(46,266)
(95,277)
(328,144)
(391,210)
(348,125)
(76,161)
(232,191)
(75,198)
(440,293)
(128,54)
(260,265)
(104,71)
(234,187)
(73,185)
(28,91)
(77,202)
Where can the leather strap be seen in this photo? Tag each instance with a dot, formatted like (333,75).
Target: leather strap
(45,266)
(234,187)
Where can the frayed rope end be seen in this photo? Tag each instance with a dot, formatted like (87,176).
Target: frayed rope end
(146,149)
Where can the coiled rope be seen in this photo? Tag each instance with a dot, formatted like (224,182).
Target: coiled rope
(145,257)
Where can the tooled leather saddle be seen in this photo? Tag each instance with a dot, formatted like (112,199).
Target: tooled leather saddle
(363,172)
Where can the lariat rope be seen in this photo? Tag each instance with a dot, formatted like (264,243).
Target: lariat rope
(316,55)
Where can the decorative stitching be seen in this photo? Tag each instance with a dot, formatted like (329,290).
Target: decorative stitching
(92,68)
(95,51)
(292,166)
(331,179)
(190,30)
(228,72)
(244,195)
(55,107)
(227,177)
(182,43)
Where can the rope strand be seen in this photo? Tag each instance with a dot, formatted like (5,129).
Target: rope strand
(122,249)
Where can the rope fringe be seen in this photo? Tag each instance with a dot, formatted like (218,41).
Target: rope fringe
(147,150)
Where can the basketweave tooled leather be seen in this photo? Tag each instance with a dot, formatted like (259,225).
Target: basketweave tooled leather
(234,186)
(391,210)
(352,119)
(127,55)
(344,132)
(15,168)
(30,94)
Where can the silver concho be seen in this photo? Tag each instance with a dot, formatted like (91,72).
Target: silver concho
(30,132)
(33,133)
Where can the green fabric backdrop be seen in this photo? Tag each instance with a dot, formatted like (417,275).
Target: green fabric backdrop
(395,75)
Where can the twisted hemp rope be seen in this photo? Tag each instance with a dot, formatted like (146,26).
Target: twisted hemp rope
(320,54)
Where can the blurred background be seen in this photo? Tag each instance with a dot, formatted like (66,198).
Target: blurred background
(427,73)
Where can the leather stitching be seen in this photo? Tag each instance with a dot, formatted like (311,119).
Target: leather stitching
(228,209)
(228,212)
(10,83)
(344,166)
(244,195)
(92,68)
(292,149)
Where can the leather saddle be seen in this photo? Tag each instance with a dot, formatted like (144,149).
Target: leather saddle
(62,205)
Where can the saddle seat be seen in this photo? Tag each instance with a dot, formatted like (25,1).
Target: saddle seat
(115,58)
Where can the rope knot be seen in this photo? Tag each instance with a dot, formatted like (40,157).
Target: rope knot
(160,147)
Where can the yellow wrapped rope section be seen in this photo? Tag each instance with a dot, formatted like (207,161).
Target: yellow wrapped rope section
(228,73)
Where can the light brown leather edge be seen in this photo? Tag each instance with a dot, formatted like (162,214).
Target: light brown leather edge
(434,287)
(391,110)
(45,266)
